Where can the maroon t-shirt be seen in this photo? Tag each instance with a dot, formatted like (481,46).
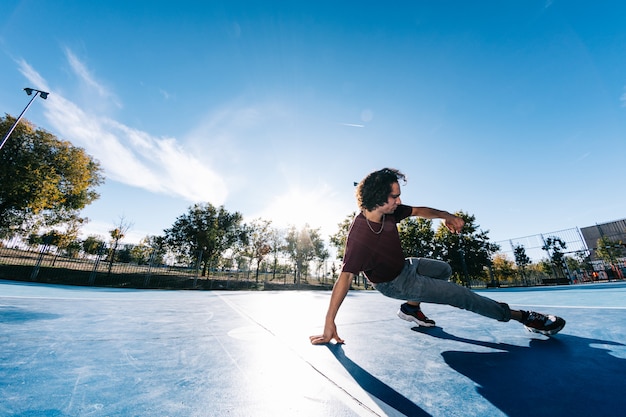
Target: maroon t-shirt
(379,256)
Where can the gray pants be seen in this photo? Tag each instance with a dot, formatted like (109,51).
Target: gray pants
(426,280)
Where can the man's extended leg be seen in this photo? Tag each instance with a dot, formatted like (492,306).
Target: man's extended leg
(414,285)
(417,287)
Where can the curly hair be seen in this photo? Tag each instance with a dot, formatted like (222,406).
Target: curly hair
(374,189)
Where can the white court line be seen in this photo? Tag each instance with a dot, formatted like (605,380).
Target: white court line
(572,307)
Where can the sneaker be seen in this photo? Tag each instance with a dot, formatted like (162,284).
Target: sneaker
(542,323)
(410,313)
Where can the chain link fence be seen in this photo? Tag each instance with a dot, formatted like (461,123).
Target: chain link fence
(576,246)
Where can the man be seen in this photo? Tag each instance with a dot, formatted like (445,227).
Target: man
(373,247)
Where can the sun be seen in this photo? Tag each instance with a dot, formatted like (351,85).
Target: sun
(319,208)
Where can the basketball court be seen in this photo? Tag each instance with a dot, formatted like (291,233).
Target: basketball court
(83,351)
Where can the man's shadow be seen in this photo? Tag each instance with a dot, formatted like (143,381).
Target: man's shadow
(375,387)
(562,375)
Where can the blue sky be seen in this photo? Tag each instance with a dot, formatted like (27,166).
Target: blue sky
(513,111)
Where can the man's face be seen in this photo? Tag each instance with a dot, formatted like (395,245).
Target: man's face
(393,200)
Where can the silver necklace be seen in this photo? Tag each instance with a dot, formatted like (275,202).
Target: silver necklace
(382,226)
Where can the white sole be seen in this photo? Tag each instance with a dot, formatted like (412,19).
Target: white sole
(414,319)
(544,332)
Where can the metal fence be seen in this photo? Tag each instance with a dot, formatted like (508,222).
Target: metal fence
(47,265)
(534,244)
(576,247)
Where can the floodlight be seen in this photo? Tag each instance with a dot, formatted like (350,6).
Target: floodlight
(29,91)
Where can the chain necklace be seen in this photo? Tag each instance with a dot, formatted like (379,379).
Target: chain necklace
(382,226)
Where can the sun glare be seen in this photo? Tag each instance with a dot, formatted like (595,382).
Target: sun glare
(298,207)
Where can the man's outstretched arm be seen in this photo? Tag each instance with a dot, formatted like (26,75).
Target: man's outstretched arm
(340,289)
(452,222)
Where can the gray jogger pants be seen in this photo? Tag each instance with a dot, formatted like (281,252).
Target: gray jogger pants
(426,280)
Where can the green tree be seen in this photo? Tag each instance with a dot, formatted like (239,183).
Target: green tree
(150,250)
(522,261)
(259,242)
(338,240)
(468,253)
(555,246)
(117,234)
(93,245)
(609,251)
(303,246)
(417,237)
(503,268)
(43,181)
(204,233)
(277,244)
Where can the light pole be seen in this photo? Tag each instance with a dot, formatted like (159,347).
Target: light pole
(29,91)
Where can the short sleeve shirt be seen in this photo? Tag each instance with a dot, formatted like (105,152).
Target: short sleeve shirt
(378,255)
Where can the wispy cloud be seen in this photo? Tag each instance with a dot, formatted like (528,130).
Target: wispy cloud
(351,125)
(128,155)
(80,69)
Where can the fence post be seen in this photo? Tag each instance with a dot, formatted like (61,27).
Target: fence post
(92,275)
(42,252)
(146,280)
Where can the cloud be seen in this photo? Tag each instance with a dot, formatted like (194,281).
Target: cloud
(79,68)
(128,155)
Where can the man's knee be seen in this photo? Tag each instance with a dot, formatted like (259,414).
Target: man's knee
(434,268)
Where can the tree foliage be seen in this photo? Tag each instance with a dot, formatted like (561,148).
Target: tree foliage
(259,242)
(521,260)
(303,246)
(150,250)
(503,268)
(468,253)
(609,250)
(204,233)
(338,240)
(555,246)
(43,181)
(93,245)
(417,237)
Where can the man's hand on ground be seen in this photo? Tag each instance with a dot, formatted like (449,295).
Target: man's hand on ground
(330,333)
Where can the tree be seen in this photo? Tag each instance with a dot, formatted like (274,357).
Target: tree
(503,268)
(554,246)
(303,246)
(277,243)
(117,234)
(43,181)
(338,240)
(204,233)
(609,251)
(417,237)
(93,245)
(521,260)
(150,251)
(259,242)
(468,253)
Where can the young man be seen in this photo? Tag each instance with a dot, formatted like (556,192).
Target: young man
(373,247)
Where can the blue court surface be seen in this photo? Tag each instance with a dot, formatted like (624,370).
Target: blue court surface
(75,351)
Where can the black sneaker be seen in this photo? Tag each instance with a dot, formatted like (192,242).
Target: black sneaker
(414,314)
(542,323)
